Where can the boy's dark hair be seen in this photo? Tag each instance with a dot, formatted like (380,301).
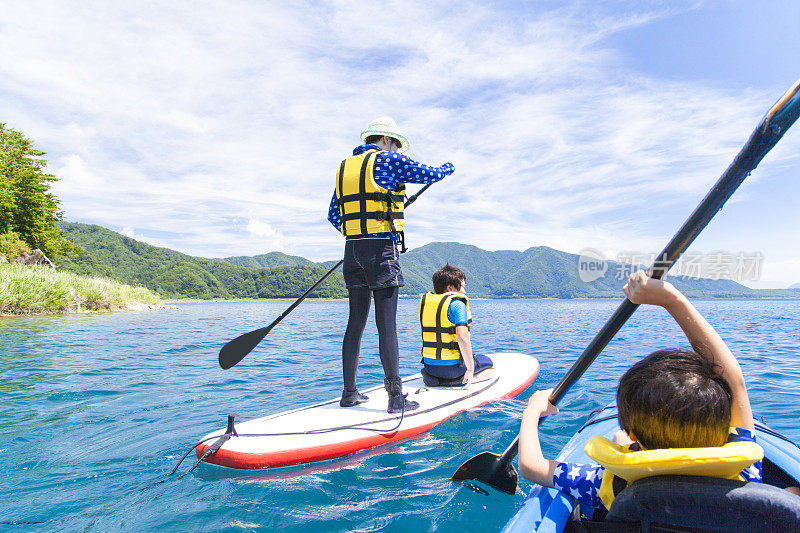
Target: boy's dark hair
(447,276)
(675,399)
(373,139)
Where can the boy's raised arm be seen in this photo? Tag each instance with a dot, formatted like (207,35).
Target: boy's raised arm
(642,289)
(532,464)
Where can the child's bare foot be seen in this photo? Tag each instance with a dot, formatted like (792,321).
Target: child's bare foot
(794,490)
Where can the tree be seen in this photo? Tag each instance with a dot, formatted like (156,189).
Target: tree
(27,207)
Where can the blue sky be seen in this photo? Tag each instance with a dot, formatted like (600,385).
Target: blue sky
(215,128)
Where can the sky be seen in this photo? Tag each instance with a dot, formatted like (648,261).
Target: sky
(215,127)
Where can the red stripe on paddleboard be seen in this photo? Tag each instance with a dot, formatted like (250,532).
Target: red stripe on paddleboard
(251,461)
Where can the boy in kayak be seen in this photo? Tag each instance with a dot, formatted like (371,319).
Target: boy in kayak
(445,319)
(673,398)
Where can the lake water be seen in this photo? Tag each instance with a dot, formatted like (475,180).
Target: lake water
(97,409)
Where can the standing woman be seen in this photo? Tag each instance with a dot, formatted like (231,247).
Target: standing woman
(367,207)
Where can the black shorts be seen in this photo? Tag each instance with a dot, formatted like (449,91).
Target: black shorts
(373,263)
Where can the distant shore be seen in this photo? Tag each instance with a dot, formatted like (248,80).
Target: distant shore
(168,301)
(35,291)
(768,294)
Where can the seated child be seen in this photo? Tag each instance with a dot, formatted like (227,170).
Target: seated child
(445,319)
(673,398)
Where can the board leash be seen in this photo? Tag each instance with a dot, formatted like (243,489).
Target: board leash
(230,431)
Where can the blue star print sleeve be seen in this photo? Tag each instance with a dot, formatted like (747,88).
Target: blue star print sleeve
(391,169)
(334,216)
(754,472)
(582,482)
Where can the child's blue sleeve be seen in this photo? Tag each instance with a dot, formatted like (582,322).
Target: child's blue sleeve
(582,482)
(334,216)
(392,168)
(754,472)
(457,313)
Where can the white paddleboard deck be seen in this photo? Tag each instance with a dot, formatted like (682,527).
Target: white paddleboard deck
(326,431)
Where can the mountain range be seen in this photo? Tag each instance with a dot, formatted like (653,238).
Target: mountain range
(538,272)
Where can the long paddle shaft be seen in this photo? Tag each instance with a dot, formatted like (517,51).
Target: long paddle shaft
(497,471)
(236,350)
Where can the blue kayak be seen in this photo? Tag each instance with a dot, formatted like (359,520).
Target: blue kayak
(548,510)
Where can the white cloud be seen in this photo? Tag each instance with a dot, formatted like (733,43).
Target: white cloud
(218,126)
(260,229)
(265,233)
(73,174)
(778,274)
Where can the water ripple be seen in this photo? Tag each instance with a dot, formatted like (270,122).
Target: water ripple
(97,409)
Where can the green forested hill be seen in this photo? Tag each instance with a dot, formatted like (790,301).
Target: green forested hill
(172,274)
(270,260)
(274,259)
(536,272)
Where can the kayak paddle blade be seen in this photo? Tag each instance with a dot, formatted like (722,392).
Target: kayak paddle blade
(487,468)
(236,350)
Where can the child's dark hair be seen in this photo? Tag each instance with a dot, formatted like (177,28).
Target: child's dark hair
(447,276)
(373,139)
(675,399)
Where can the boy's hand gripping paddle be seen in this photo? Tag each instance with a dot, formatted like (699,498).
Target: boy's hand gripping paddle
(236,350)
(497,470)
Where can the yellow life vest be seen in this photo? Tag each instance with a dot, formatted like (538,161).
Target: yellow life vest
(365,206)
(438,333)
(624,466)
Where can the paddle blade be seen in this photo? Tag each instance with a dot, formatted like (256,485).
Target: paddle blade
(236,350)
(487,468)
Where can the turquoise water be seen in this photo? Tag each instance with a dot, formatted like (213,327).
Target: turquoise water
(97,410)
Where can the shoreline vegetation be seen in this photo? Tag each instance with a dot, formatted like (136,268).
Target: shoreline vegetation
(34,290)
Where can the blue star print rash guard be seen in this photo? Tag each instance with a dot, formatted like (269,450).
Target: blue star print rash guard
(392,169)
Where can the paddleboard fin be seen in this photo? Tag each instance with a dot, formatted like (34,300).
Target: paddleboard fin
(230,430)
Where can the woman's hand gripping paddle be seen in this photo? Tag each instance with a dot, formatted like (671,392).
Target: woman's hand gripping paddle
(236,350)
(497,470)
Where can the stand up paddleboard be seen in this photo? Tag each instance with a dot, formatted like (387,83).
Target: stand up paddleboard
(326,431)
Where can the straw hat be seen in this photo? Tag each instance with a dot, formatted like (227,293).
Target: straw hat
(385,126)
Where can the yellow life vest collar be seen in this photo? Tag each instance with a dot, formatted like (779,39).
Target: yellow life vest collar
(725,461)
(722,461)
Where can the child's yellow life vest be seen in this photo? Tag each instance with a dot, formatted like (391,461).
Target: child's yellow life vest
(365,206)
(725,461)
(438,333)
